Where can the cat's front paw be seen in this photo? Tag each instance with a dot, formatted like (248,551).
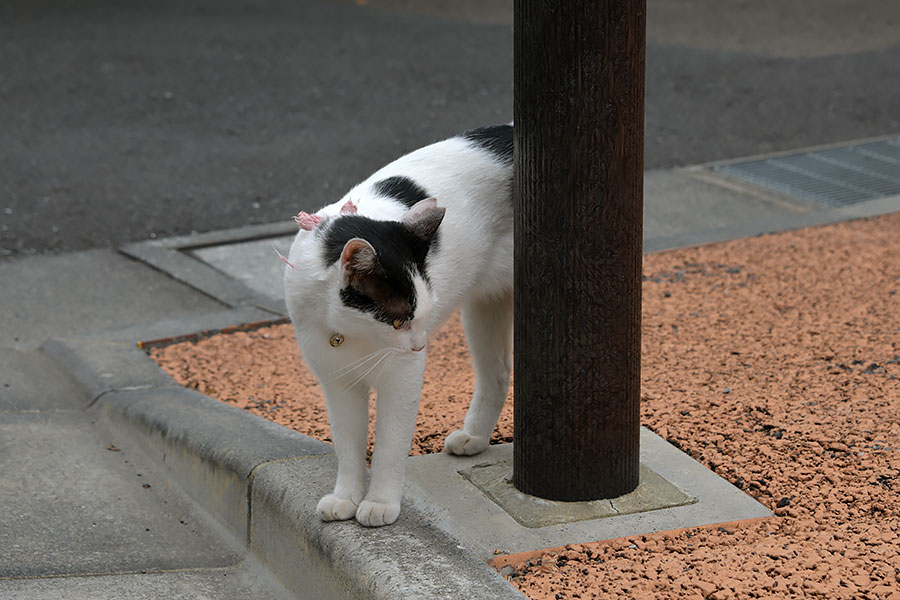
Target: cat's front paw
(377,514)
(335,508)
(461,443)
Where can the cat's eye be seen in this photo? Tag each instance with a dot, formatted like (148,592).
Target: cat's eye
(401,323)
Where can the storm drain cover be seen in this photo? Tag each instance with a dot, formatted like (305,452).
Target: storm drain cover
(834,177)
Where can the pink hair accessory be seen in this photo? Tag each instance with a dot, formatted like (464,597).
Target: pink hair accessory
(306,221)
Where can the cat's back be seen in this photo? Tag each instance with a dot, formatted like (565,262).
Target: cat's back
(471,176)
(468,172)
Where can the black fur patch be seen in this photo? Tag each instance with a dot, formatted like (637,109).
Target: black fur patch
(353,298)
(401,188)
(496,139)
(399,252)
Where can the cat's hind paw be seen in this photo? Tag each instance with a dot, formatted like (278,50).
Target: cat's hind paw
(377,514)
(461,443)
(335,508)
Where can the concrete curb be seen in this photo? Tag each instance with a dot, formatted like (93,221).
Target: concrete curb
(409,559)
(171,255)
(110,361)
(261,481)
(209,448)
(100,366)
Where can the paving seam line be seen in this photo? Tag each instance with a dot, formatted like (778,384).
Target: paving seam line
(250,479)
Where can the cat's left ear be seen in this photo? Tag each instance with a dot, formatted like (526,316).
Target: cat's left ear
(358,259)
(424,218)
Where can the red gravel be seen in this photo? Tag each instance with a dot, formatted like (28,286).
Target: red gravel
(773,360)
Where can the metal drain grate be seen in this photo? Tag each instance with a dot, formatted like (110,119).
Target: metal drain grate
(835,177)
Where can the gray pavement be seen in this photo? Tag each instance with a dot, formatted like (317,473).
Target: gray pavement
(123,121)
(79,507)
(82,292)
(241,581)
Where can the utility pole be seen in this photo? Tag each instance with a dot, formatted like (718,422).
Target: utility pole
(578,188)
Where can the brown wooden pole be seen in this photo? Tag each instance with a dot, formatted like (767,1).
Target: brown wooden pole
(578,187)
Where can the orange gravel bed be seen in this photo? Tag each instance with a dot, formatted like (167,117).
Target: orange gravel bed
(773,360)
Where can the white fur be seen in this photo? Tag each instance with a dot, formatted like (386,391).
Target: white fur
(470,267)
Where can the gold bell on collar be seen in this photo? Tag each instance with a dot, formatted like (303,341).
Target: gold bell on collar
(336,340)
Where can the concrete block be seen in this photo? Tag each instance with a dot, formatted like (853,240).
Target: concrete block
(494,479)
(441,492)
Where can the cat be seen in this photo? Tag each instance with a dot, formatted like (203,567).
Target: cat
(372,275)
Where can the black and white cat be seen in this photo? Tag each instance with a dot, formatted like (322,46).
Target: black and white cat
(372,275)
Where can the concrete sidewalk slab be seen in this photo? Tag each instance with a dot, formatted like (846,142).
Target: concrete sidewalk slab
(173,327)
(240,582)
(680,201)
(19,369)
(82,292)
(80,499)
(267,272)
(774,223)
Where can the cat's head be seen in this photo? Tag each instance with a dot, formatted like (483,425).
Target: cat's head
(383,294)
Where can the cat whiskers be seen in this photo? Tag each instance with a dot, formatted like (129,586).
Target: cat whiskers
(349,368)
(386,366)
(360,368)
(361,377)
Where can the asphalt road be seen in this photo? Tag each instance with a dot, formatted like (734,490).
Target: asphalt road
(121,121)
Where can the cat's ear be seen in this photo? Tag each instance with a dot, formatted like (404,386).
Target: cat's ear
(424,218)
(358,259)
